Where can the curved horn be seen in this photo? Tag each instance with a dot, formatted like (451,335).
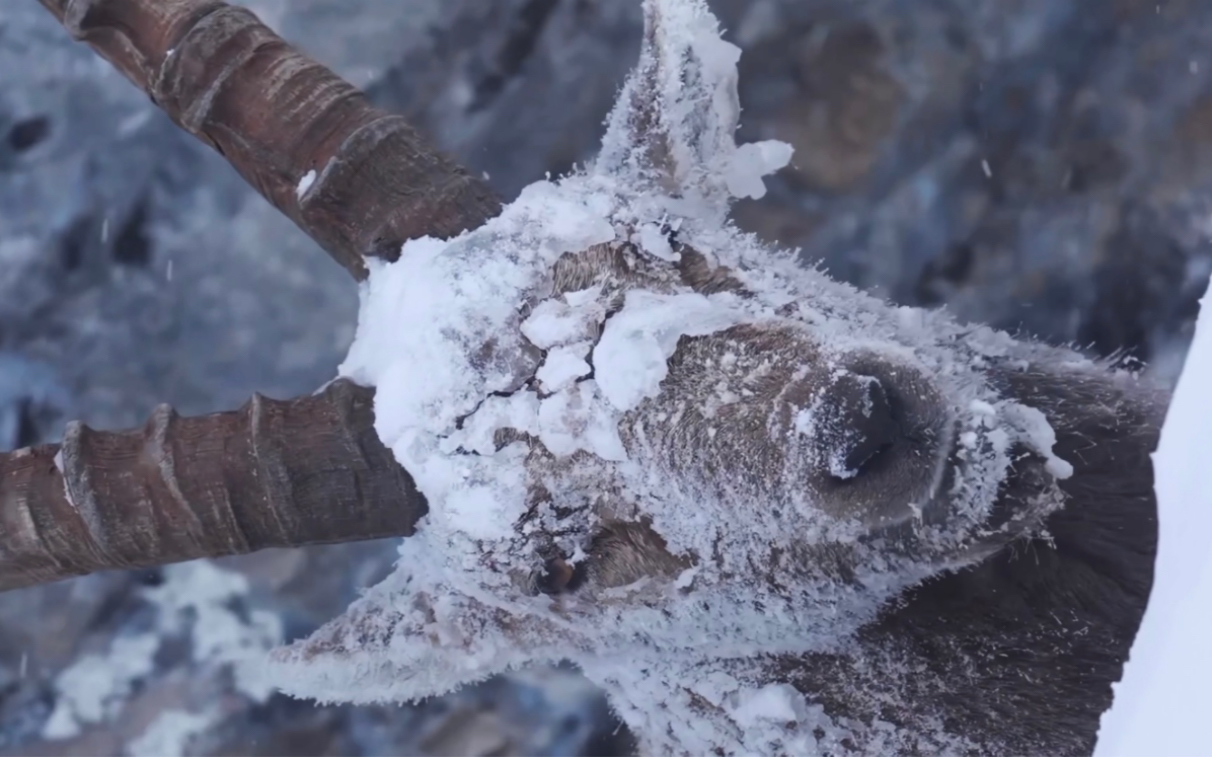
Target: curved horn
(273,474)
(358,180)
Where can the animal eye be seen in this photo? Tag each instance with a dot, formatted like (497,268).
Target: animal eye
(560,577)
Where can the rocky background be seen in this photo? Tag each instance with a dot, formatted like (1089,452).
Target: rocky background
(1041,165)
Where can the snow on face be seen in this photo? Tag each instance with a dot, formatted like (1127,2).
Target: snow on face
(563,373)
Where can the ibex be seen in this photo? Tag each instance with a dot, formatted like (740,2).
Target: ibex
(767,513)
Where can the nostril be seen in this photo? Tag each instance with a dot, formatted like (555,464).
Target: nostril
(875,426)
(867,422)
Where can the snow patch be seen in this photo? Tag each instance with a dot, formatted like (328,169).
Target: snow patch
(776,702)
(94,688)
(200,594)
(563,366)
(1162,702)
(631,358)
(170,734)
(753,161)
(195,599)
(305,183)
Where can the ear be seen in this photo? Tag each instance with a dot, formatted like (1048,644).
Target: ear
(676,118)
(395,644)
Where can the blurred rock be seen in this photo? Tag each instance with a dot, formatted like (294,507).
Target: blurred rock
(1040,166)
(33,404)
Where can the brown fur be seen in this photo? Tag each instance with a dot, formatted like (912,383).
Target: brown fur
(1015,655)
(1018,653)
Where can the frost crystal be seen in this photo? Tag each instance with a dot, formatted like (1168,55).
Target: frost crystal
(609,379)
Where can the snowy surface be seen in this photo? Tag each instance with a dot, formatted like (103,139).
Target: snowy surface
(196,596)
(478,348)
(1161,706)
(169,735)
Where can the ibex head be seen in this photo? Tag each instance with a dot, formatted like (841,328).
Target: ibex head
(649,442)
(768,513)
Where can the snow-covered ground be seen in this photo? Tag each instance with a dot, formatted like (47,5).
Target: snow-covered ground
(1162,704)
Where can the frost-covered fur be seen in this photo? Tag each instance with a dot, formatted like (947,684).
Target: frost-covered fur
(768,513)
(1016,654)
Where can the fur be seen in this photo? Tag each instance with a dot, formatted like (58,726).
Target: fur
(1013,655)
(1018,653)
(862,502)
